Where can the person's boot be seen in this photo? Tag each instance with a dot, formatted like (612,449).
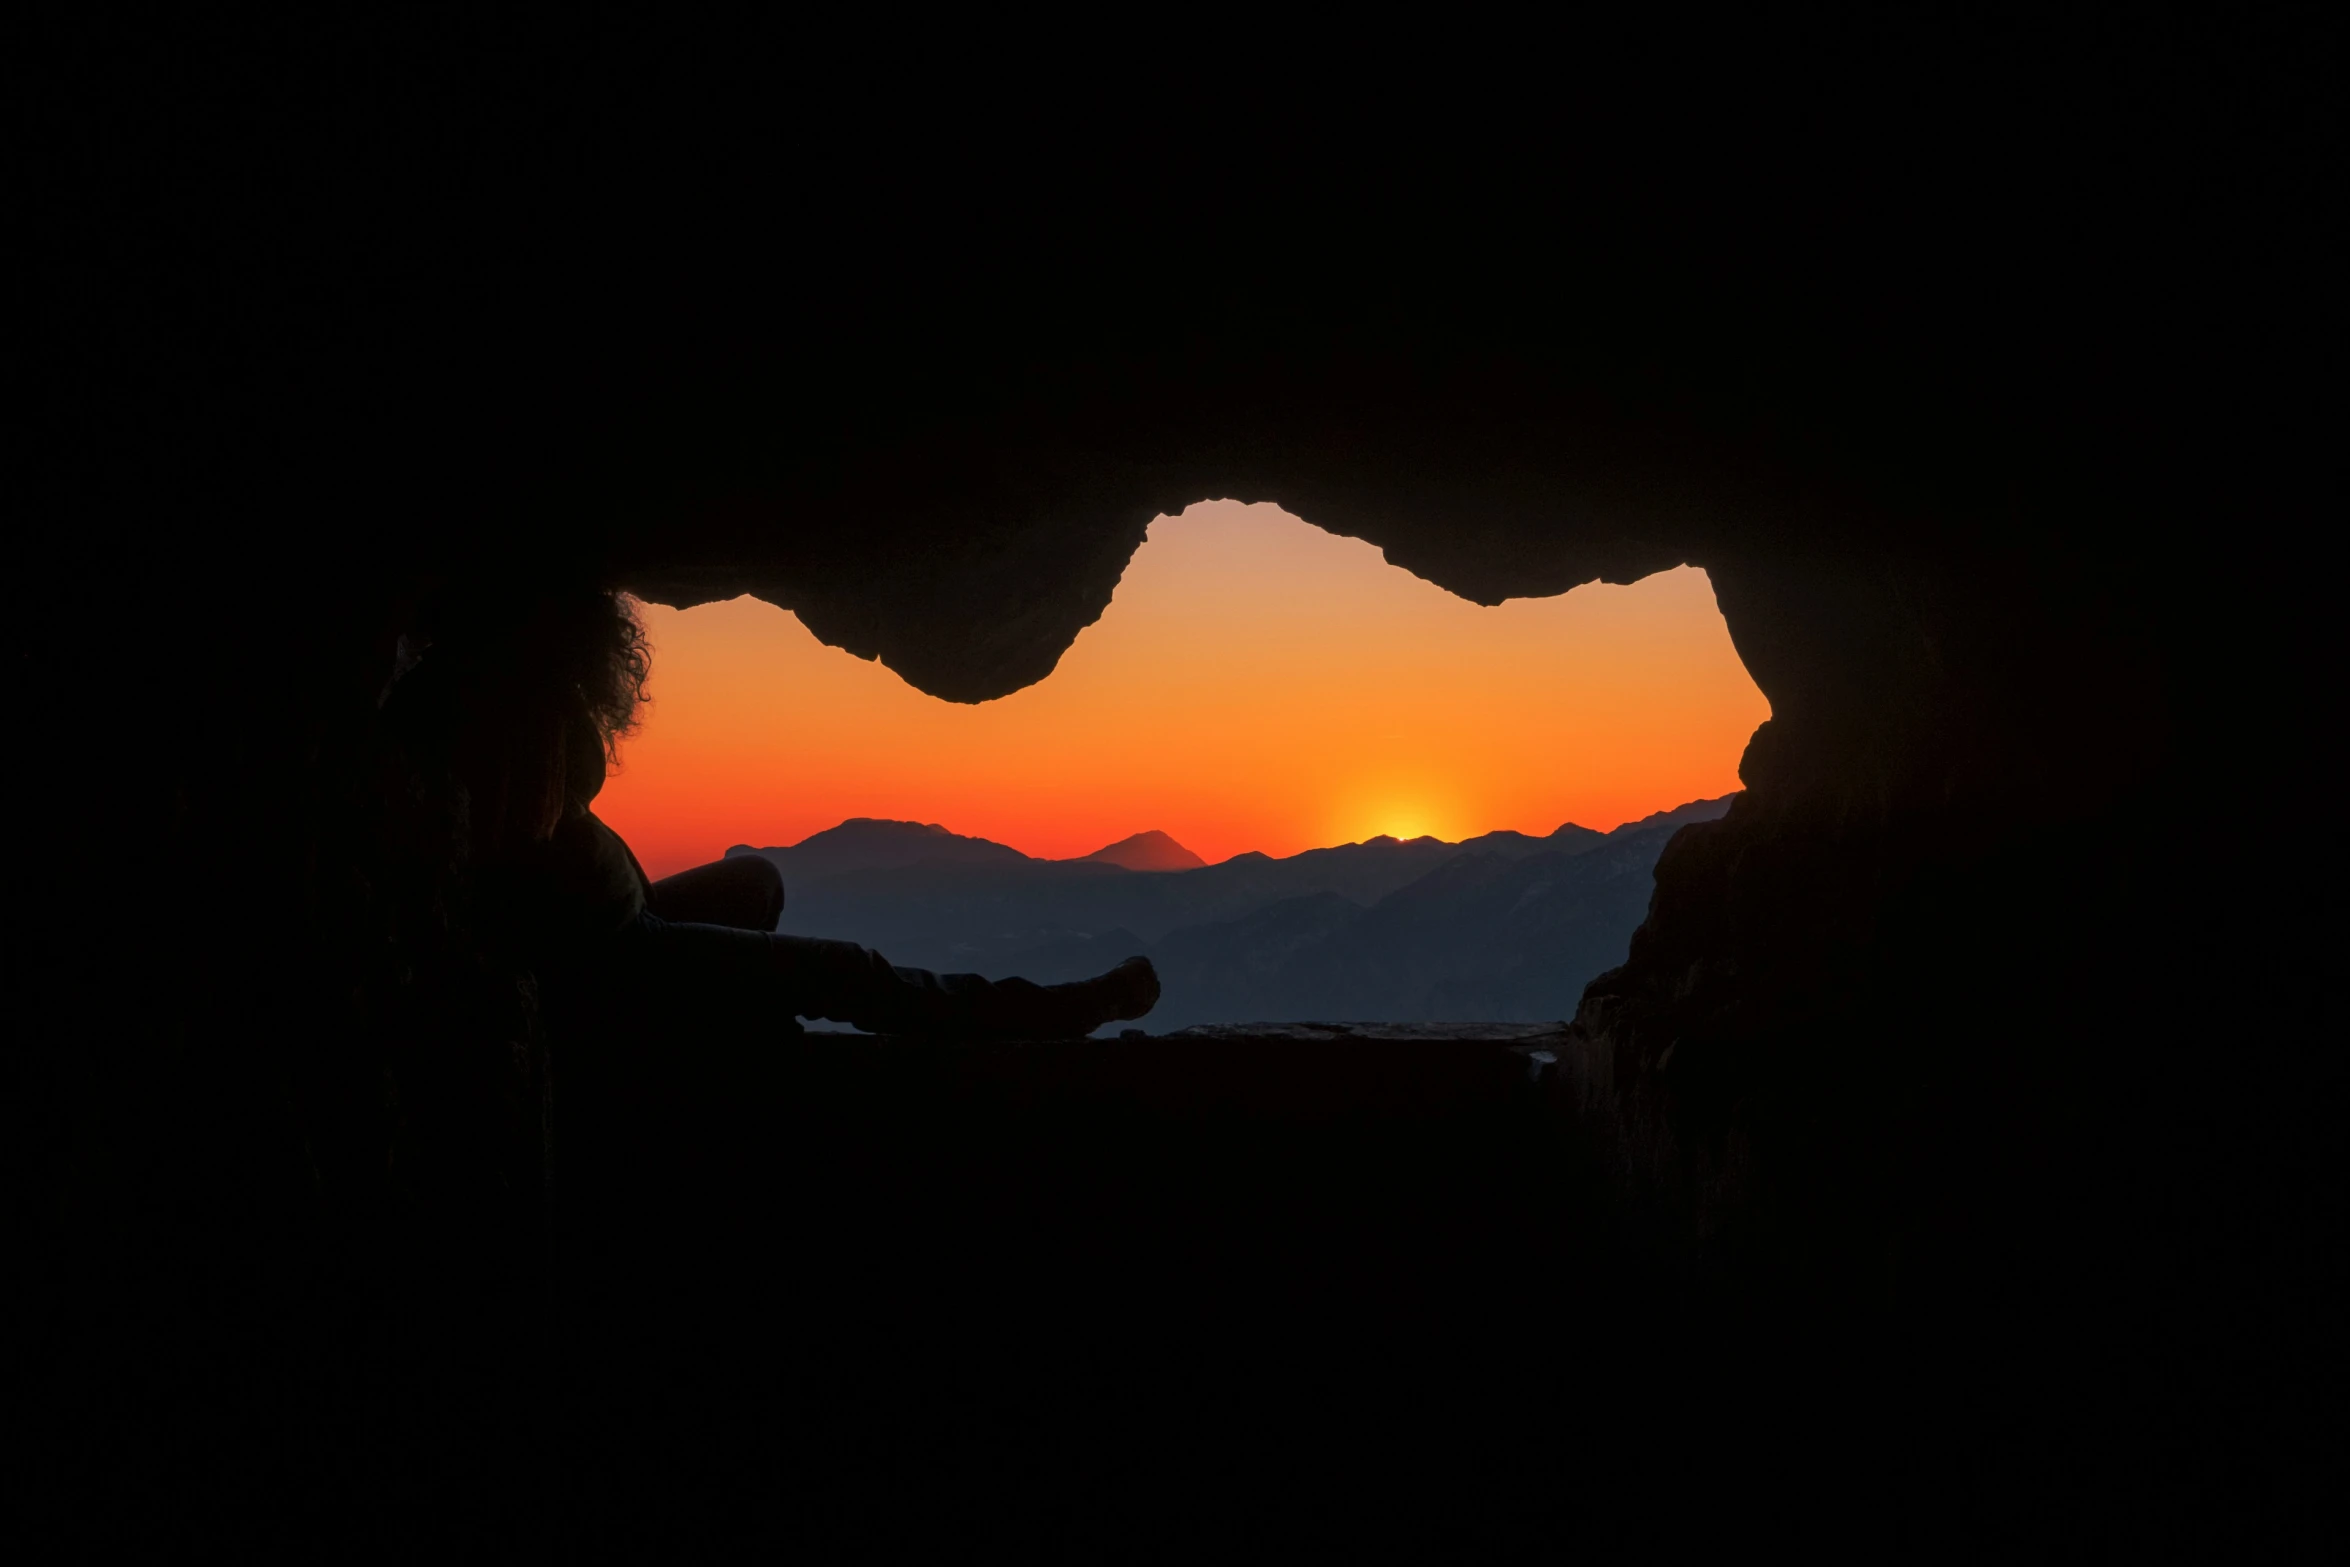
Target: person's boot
(1076,1009)
(1128,991)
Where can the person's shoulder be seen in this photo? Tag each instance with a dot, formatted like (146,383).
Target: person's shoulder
(605,843)
(593,873)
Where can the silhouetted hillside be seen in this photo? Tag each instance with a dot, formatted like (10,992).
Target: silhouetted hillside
(1484,936)
(1501,927)
(1678,816)
(976,915)
(871,843)
(1148,851)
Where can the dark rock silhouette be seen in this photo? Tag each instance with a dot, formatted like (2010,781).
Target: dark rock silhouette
(1968,1096)
(1148,851)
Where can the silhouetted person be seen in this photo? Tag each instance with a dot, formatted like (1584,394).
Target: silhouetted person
(526,708)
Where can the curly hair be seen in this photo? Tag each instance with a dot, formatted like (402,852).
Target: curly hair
(615,665)
(525,695)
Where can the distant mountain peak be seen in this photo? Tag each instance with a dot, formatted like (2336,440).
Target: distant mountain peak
(877,843)
(884,830)
(1148,851)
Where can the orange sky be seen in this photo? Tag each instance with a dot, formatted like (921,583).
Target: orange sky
(1256,683)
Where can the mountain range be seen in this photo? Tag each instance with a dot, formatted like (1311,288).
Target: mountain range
(1502,927)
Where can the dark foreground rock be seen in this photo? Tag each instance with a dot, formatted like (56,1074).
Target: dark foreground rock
(1319,1289)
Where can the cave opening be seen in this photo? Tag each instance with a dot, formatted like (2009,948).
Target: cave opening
(1284,768)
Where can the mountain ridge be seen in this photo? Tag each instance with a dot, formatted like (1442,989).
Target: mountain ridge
(861,843)
(1503,926)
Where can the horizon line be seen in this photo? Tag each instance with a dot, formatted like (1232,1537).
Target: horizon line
(1352,843)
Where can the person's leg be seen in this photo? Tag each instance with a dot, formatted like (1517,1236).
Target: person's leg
(856,985)
(745,892)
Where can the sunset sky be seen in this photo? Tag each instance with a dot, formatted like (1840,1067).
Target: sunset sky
(1256,683)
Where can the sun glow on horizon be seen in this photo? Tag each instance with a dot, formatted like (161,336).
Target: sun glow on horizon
(1255,683)
(1405,824)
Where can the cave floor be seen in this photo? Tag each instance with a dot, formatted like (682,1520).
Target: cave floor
(1147,1295)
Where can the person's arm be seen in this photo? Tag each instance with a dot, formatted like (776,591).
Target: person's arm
(850,984)
(800,976)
